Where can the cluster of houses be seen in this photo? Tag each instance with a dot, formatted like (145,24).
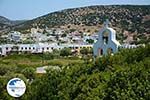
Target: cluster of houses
(104,42)
(50,36)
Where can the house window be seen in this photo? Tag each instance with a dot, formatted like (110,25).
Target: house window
(26,48)
(6,48)
(47,48)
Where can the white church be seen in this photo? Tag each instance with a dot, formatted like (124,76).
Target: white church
(106,43)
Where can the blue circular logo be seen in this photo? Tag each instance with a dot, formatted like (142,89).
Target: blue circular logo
(16,87)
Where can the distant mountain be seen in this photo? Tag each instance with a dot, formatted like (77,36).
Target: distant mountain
(4,20)
(7,23)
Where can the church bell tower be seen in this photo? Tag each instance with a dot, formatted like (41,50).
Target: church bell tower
(106,43)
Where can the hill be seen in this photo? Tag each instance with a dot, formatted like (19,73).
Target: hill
(120,15)
(6,23)
(128,19)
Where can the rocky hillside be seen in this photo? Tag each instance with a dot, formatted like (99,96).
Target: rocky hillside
(124,18)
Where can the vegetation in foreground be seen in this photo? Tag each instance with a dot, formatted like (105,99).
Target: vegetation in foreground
(123,76)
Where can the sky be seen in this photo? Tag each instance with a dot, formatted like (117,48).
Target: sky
(29,9)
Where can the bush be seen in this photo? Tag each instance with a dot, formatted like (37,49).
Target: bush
(124,75)
(65,52)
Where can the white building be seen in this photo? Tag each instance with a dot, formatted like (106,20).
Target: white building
(37,48)
(129,46)
(14,36)
(38,37)
(106,42)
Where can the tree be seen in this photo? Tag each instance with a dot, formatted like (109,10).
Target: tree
(4,69)
(86,51)
(123,76)
(65,52)
(46,87)
(29,73)
(64,35)
(3,93)
(130,83)
(90,41)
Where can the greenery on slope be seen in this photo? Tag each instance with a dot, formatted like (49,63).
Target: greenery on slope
(126,17)
(123,76)
(135,19)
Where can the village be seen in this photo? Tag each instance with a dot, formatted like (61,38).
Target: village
(39,42)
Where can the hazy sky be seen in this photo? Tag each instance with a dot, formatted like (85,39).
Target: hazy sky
(29,9)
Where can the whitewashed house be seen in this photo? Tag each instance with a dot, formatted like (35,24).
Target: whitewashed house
(37,48)
(38,37)
(129,46)
(14,36)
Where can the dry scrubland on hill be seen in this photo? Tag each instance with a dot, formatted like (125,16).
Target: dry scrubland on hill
(125,17)
(133,19)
